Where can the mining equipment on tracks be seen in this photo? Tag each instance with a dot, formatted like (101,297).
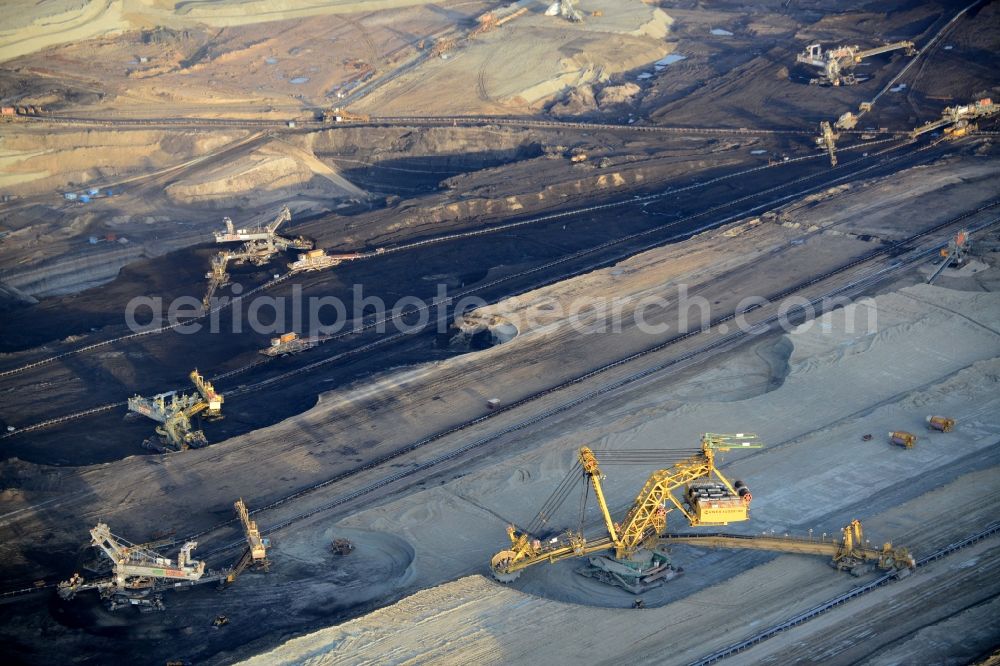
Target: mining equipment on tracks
(317,260)
(494,19)
(637,563)
(342,546)
(566,10)
(640,560)
(290,343)
(341,115)
(16,112)
(217,275)
(940,423)
(907,440)
(174,411)
(263,240)
(255,554)
(958,121)
(234,235)
(835,64)
(139,574)
(828,140)
(259,245)
(954,254)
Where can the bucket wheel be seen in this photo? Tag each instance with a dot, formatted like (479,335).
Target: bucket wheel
(499,564)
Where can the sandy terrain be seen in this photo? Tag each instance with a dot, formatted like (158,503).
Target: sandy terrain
(200,54)
(166,186)
(263,177)
(840,476)
(789,489)
(474,618)
(527,63)
(35,26)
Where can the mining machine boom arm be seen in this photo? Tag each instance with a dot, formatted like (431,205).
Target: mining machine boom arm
(886,48)
(851,552)
(284,216)
(828,140)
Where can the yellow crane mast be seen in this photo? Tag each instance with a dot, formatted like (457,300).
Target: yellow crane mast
(636,564)
(212,399)
(217,276)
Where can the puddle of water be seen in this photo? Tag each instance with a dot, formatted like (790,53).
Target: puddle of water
(271,61)
(645,75)
(899,88)
(758,152)
(669,60)
(299,79)
(721,32)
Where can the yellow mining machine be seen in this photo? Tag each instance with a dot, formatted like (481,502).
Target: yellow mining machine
(255,554)
(940,423)
(906,440)
(174,412)
(495,19)
(958,121)
(828,140)
(317,260)
(637,563)
(209,396)
(217,276)
(836,63)
(640,559)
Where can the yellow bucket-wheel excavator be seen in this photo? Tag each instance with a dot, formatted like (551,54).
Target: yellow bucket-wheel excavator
(637,562)
(633,554)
